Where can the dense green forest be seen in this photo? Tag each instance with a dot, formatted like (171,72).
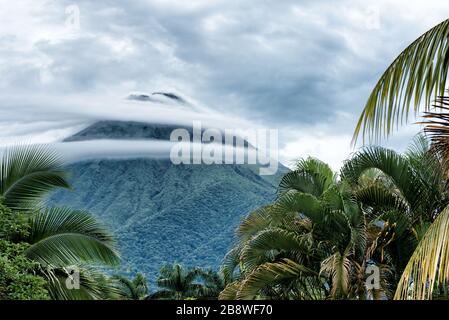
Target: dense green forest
(197,207)
(323,237)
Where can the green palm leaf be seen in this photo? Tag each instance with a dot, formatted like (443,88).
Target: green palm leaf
(270,274)
(93,285)
(126,288)
(420,71)
(214,283)
(182,283)
(27,173)
(295,203)
(230,263)
(377,196)
(266,243)
(393,165)
(134,289)
(256,221)
(61,237)
(230,292)
(429,264)
(310,176)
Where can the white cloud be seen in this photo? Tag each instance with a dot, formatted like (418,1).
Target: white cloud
(331,149)
(278,64)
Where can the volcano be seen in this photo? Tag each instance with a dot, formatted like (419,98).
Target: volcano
(160,212)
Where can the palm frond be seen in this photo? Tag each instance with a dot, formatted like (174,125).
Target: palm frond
(377,196)
(437,129)
(420,71)
(230,263)
(429,264)
(393,165)
(27,173)
(134,289)
(418,148)
(389,239)
(93,285)
(141,284)
(427,163)
(254,222)
(213,284)
(181,282)
(338,267)
(126,288)
(294,203)
(310,176)
(230,292)
(259,249)
(271,274)
(62,236)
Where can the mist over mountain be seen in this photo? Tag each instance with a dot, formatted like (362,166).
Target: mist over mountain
(133,130)
(125,130)
(161,212)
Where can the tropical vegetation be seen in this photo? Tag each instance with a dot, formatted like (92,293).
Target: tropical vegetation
(418,74)
(51,243)
(325,232)
(377,229)
(387,210)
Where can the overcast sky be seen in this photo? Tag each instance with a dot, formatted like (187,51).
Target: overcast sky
(303,67)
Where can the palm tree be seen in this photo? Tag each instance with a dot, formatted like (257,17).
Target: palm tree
(177,283)
(304,246)
(408,192)
(135,289)
(213,283)
(413,183)
(322,234)
(420,71)
(59,237)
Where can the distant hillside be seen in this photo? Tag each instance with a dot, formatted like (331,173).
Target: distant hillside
(165,213)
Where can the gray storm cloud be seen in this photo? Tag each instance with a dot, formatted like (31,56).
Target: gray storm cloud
(304,67)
